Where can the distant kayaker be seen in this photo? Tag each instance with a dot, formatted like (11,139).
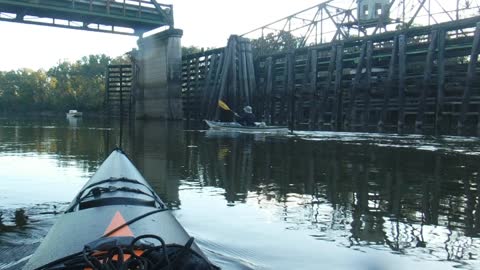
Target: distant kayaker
(246,118)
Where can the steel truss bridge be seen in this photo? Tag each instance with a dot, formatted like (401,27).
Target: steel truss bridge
(129,17)
(334,20)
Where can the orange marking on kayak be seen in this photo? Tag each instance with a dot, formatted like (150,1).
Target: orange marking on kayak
(117,221)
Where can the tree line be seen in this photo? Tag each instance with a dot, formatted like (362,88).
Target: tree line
(76,85)
(68,85)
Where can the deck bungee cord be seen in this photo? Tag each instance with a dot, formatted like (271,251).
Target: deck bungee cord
(108,253)
(116,255)
(94,190)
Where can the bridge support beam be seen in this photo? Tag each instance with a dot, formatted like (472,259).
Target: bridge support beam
(159,62)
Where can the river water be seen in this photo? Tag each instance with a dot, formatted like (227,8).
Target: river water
(311,200)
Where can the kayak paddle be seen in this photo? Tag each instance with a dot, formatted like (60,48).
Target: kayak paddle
(224,106)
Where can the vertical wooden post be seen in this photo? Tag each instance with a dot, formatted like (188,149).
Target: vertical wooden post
(269,106)
(305,88)
(368,84)
(302,102)
(250,68)
(427,76)
(350,116)
(285,95)
(238,76)
(243,67)
(470,77)
(121,104)
(106,99)
(313,88)
(212,105)
(196,88)
(233,93)
(291,88)
(402,68)
(388,90)
(188,93)
(229,57)
(207,90)
(337,112)
(326,89)
(227,60)
(440,78)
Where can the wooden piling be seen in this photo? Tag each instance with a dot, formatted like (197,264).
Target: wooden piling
(313,88)
(235,79)
(368,84)
(250,67)
(388,88)
(402,68)
(291,90)
(326,90)
(337,112)
(269,108)
(283,110)
(351,116)
(440,79)
(231,49)
(469,80)
(213,99)
(244,90)
(207,88)
(197,80)
(427,75)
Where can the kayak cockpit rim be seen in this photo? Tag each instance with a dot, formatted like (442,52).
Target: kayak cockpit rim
(93,188)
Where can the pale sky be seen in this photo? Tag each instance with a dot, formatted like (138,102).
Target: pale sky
(206,23)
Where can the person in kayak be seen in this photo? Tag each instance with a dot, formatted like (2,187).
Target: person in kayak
(246,118)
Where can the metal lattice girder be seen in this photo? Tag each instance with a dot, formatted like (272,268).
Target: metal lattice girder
(131,17)
(334,20)
(321,23)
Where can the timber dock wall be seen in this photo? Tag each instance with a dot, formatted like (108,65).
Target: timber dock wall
(425,77)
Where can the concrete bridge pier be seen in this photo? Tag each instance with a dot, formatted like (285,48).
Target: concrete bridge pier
(158,85)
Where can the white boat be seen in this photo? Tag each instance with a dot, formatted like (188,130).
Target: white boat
(74,113)
(234,126)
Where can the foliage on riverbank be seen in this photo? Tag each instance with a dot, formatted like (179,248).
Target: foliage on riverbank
(79,85)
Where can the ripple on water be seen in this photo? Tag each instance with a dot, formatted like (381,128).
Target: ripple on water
(19,241)
(448,144)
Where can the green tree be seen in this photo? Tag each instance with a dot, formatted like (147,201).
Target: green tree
(270,44)
(79,85)
(191,50)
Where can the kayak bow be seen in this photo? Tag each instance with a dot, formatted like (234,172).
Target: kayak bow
(119,220)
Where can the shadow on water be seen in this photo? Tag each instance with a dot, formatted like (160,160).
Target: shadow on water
(412,195)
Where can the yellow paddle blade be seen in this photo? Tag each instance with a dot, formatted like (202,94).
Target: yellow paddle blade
(223,105)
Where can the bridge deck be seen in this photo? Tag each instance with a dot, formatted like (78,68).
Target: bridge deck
(93,15)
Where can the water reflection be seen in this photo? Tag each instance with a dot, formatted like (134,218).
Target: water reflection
(418,202)
(241,195)
(156,149)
